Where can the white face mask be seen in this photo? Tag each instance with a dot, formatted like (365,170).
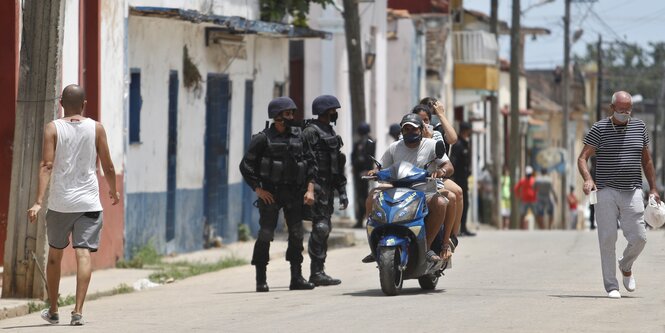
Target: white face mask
(621,117)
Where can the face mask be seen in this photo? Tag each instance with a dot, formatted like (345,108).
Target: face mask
(333,117)
(291,123)
(621,117)
(412,138)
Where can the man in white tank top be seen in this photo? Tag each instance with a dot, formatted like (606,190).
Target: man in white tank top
(71,147)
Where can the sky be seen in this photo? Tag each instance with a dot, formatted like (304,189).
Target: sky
(634,21)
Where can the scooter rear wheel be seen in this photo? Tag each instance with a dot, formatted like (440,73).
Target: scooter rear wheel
(390,275)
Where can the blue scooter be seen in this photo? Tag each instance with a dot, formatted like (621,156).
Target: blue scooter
(396,227)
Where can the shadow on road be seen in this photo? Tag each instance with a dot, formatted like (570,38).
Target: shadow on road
(32,326)
(404,292)
(587,296)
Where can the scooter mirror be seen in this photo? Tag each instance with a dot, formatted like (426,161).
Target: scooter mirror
(378,165)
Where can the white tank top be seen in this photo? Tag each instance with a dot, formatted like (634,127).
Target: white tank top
(74,186)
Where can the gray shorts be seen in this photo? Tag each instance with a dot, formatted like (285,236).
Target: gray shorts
(85,229)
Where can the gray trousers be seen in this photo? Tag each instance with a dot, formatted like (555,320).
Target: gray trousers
(627,207)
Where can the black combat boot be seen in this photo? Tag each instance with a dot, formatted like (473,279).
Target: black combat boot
(319,278)
(297,281)
(261,284)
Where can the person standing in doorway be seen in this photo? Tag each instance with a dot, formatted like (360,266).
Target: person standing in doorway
(72,146)
(280,167)
(363,148)
(621,146)
(461,160)
(326,145)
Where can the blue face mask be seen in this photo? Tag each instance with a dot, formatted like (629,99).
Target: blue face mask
(621,117)
(412,138)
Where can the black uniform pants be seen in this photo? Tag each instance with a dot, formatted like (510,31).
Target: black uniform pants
(464,184)
(361,191)
(291,202)
(321,212)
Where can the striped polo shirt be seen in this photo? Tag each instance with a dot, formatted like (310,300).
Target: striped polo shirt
(618,153)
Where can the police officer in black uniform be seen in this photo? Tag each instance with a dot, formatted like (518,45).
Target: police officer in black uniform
(280,167)
(326,145)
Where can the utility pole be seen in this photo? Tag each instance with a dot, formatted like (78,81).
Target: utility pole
(599,84)
(356,66)
(566,106)
(515,144)
(658,131)
(39,88)
(497,165)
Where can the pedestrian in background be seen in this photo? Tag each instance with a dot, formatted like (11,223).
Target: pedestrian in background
(505,198)
(621,146)
(72,146)
(526,195)
(545,200)
(280,167)
(572,207)
(461,160)
(395,131)
(326,145)
(361,161)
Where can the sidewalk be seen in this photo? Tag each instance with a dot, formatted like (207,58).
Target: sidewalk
(104,282)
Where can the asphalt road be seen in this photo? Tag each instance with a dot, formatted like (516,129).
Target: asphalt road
(500,282)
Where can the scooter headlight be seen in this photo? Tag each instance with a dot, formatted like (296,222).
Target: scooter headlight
(378,214)
(407,213)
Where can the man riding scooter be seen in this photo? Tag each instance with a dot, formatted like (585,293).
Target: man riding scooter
(420,151)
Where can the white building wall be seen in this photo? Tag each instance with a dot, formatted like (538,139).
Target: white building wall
(70,44)
(400,83)
(113,77)
(155,56)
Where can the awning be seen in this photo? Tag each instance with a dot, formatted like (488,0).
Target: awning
(231,24)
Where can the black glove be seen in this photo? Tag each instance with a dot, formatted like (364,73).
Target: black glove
(343,201)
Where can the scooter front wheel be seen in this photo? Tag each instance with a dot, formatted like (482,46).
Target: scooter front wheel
(390,275)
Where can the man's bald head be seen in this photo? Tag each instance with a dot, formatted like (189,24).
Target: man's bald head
(622,99)
(73,98)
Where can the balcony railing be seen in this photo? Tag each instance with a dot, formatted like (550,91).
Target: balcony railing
(475,47)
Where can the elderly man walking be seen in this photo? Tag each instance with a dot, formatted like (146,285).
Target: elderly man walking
(620,144)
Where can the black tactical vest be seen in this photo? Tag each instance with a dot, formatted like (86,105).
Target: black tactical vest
(283,159)
(328,156)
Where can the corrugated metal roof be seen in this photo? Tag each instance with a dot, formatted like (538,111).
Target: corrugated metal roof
(232,24)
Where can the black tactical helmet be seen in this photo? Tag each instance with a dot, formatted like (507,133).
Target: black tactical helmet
(363,128)
(411,119)
(324,103)
(280,104)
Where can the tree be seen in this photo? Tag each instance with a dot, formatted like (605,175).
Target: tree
(630,67)
(276,10)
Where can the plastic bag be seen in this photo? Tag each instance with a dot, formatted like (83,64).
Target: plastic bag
(654,213)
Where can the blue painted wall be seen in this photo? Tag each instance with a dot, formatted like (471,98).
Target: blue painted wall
(145,221)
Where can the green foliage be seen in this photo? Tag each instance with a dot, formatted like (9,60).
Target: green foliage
(147,255)
(276,10)
(123,288)
(244,234)
(630,67)
(182,270)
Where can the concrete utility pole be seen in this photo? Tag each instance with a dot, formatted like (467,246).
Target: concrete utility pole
(658,132)
(566,104)
(599,84)
(355,58)
(39,88)
(497,163)
(515,144)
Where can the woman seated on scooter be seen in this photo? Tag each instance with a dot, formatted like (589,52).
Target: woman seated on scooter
(419,151)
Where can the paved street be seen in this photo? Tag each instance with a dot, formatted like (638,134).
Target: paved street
(501,282)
